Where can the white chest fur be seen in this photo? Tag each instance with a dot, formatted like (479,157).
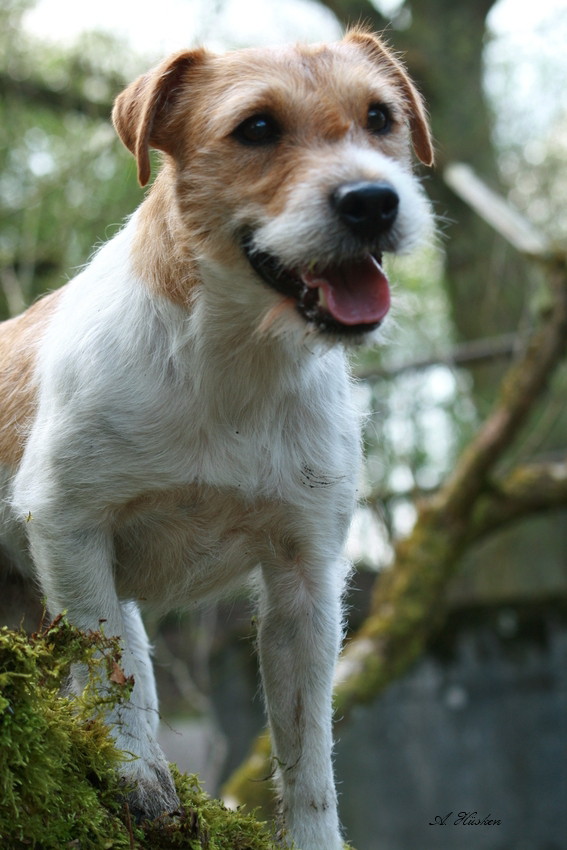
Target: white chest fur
(149,412)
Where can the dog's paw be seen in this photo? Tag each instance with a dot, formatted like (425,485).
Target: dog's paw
(151,791)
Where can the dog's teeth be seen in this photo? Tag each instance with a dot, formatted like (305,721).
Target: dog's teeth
(322,298)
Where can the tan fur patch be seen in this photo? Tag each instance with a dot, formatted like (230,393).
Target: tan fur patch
(163,557)
(19,338)
(157,255)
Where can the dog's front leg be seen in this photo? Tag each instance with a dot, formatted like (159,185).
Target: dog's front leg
(76,571)
(299,636)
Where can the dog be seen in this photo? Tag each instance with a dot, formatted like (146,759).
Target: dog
(178,417)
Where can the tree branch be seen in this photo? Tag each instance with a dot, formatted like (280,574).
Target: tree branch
(525,491)
(465,354)
(495,210)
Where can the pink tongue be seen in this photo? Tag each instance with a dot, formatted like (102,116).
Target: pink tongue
(357,292)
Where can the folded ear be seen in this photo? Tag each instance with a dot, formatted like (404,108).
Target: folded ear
(419,124)
(144,113)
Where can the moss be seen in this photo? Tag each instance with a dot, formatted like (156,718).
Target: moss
(58,782)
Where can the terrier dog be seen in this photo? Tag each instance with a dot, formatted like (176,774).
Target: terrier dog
(179,415)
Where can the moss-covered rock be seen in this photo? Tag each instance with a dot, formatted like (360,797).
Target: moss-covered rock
(58,782)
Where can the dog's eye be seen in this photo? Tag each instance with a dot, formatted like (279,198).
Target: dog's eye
(379,119)
(258,130)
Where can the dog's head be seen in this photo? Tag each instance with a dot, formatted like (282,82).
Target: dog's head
(291,169)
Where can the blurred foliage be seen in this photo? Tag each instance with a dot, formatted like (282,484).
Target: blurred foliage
(529,118)
(54,148)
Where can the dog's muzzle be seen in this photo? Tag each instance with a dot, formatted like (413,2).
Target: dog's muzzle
(349,296)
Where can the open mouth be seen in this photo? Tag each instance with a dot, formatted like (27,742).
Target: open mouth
(350,297)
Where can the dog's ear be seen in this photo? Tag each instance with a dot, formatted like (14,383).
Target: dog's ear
(386,59)
(144,113)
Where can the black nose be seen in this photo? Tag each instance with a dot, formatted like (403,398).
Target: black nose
(368,209)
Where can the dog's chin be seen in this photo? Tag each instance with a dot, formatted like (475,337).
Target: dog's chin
(333,309)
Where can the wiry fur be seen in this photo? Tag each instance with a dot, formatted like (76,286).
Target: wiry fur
(181,425)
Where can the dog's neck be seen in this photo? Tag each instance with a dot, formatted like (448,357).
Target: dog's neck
(248,370)
(158,254)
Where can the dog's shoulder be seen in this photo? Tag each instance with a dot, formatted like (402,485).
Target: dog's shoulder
(20,339)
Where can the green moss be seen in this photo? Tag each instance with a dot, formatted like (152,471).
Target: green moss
(58,782)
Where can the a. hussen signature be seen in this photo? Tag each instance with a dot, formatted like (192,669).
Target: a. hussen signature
(464,819)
